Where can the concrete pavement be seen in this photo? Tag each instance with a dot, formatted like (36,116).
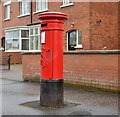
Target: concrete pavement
(15,72)
(15,92)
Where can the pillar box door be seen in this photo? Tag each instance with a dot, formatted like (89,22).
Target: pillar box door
(51,58)
(46,55)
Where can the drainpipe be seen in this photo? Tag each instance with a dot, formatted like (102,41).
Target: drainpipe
(31,13)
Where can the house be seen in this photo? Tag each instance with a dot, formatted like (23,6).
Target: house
(90,40)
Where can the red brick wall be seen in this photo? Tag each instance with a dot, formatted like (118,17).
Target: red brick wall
(30,65)
(16,57)
(105,33)
(94,69)
(79,13)
(84,15)
(14,20)
(0,23)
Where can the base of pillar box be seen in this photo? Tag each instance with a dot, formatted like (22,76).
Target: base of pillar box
(51,93)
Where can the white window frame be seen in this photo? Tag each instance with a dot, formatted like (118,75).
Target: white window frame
(6,4)
(5,43)
(20,39)
(24,14)
(20,28)
(77,45)
(67,4)
(34,36)
(42,10)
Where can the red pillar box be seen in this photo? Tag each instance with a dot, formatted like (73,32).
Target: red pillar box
(51,93)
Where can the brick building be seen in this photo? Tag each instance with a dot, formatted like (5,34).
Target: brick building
(90,38)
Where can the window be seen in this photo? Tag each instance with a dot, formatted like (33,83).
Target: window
(74,39)
(12,40)
(7,10)
(24,7)
(41,5)
(25,39)
(65,2)
(35,39)
(22,39)
(3,42)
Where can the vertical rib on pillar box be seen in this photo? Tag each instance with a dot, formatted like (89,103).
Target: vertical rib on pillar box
(51,94)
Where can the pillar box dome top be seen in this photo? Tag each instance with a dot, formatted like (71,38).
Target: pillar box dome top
(52,20)
(52,15)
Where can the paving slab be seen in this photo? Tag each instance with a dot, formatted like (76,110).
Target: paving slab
(70,108)
(15,72)
(15,93)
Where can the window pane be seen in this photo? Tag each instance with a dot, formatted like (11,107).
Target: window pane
(8,44)
(66,2)
(24,33)
(27,7)
(20,8)
(15,43)
(38,5)
(39,31)
(7,11)
(3,42)
(24,7)
(70,1)
(12,44)
(72,38)
(79,37)
(35,43)
(31,42)
(46,4)
(15,34)
(12,34)
(36,30)
(39,45)
(25,44)
(31,31)
(43,4)
(12,40)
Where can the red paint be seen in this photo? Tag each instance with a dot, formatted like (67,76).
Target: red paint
(52,49)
